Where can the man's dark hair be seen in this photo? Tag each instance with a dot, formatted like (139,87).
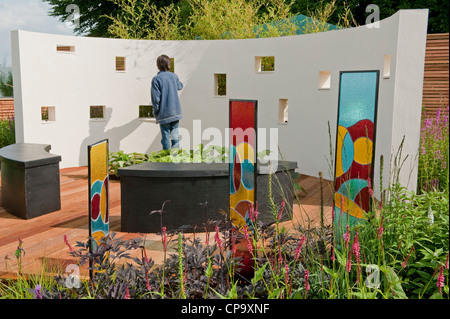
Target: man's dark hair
(163,63)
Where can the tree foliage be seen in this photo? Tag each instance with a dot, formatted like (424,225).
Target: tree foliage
(438,10)
(6,84)
(188,19)
(201,19)
(322,14)
(145,20)
(94,19)
(239,19)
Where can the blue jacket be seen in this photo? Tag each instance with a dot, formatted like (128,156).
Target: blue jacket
(164,94)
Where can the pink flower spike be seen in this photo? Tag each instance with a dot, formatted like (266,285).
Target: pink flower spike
(440,279)
(380,230)
(286,274)
(299,247)
(127,294)
(280,258)
(251,213)
(217,238)
(347,237)
(247,238)
(369,185)
(356,248)
(164,238)
(404,262)
(407,257)
(66,241)
(348,265)
(307,286)
(147,283)
(280,213)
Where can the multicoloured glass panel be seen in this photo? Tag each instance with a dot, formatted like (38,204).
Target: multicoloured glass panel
(355,142)
(242,160)
(98,190)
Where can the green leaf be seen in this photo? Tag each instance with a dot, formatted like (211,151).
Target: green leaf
(436,295)
(331,272)
(259,274)
(232,294)
(424,274)
(275,294)
(394,283)
(298,295)
(411,271)
(209,270)
(340,258)
(218,294)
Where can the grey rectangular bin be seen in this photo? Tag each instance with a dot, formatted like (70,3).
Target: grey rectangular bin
(144,187)
(30,180)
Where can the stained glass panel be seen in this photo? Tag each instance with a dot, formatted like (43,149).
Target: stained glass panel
(355,143)
(98,191)
(242,160)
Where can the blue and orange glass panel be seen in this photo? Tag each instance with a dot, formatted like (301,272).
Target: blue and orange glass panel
(355,145)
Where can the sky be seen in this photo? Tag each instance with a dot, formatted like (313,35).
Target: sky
(28,15)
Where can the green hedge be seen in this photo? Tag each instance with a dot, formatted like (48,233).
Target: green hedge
(7,132)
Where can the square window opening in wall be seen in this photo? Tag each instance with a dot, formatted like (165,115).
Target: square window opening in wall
(220,84)
(48,114)
(324,80)
(65,48)
(387,66)
(264,64)
(283,111)
(97,112)
(146,112)
(120,63)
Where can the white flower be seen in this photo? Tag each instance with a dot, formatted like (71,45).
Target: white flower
(430,215)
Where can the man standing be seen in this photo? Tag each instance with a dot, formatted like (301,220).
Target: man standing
(166,104)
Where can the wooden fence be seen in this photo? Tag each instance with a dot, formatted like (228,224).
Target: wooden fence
(435,82)
(6,108)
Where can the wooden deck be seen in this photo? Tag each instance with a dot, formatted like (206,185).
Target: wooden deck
(43,237)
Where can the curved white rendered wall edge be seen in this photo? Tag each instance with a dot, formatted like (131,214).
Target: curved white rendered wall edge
(86,75)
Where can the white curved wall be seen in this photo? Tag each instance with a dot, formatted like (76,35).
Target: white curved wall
(73,81)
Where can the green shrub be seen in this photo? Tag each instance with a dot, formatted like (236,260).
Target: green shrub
(210,154)
(434,153)
(414,240)
(7,132)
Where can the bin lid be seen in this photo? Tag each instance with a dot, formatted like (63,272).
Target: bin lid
(158,169)
(28,155)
